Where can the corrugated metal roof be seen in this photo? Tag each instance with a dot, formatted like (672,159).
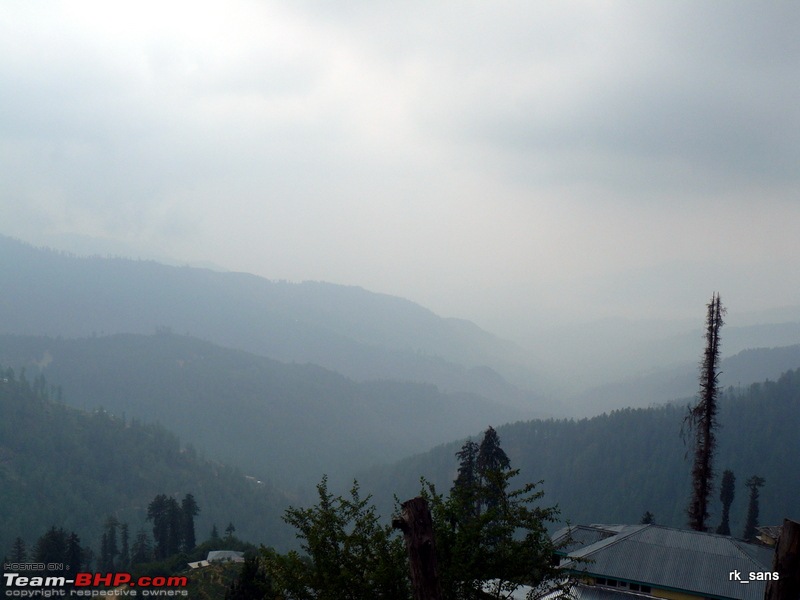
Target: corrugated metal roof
(677,559)
(591,592)
(580,536)
(580,591)
(232,555)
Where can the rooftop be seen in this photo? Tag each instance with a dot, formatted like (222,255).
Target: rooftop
(702,564)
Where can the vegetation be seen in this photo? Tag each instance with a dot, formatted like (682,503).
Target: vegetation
(210,395)
(173,524)
(613,467)
(648,518)
(349,555)
(85,471)
(489,539)
(751,525)
(727,493)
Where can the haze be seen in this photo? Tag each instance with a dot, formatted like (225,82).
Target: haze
(512,163)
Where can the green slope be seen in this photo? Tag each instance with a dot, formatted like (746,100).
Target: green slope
(63,467)
(614,467)
(290,423)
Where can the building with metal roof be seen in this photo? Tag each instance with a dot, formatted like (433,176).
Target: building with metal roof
(218,556)
(625,561)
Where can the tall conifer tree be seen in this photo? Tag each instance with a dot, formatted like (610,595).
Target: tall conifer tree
(19,553)
(703,419)
(189,510)
(751,526)
(727,492)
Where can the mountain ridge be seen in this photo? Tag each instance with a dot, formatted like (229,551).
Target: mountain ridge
(360,334)
(286,422)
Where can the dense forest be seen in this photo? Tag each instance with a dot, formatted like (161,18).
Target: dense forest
(615,467)
(66,468)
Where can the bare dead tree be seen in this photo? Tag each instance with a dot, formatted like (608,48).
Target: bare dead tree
(702,418)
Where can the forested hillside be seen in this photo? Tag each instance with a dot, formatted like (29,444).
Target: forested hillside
(286,422)
(71,469)
(614,467)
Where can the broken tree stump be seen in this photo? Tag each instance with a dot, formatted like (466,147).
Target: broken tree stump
(417,526)
(786,564)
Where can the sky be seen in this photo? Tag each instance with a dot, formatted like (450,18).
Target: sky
(512,163)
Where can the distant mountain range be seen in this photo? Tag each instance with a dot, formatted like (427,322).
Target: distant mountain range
(360,334)
(680,381)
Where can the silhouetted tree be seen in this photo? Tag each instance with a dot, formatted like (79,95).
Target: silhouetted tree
(466,485)
(492,460)
(751,525)
(124,552)
(648,518)
(19,553)
(51,547)
(76,556)
(505,542)
(108,545)
(189,510)
(175,530)
(141,550)
(167,519)
(703,419)
(727,491)
(173,524)
(253,582)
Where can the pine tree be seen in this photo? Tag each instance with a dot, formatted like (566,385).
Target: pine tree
(466,485)
(157,512)
(727,492)
(648,518)
(751,526)
(19,553)
(492,461)
(76,556)
(506,542)
(124,553)
(168,525)
(189,510)
(51,547)
(491,457)
(175,527)
(141,550)
(253,582)
(703,419)
(108,545)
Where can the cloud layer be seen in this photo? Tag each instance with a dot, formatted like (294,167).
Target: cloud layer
(491,160)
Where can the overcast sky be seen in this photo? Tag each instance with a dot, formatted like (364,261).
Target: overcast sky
(506,162)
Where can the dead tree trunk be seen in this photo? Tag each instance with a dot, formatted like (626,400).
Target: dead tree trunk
(417,526)
(786,564)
